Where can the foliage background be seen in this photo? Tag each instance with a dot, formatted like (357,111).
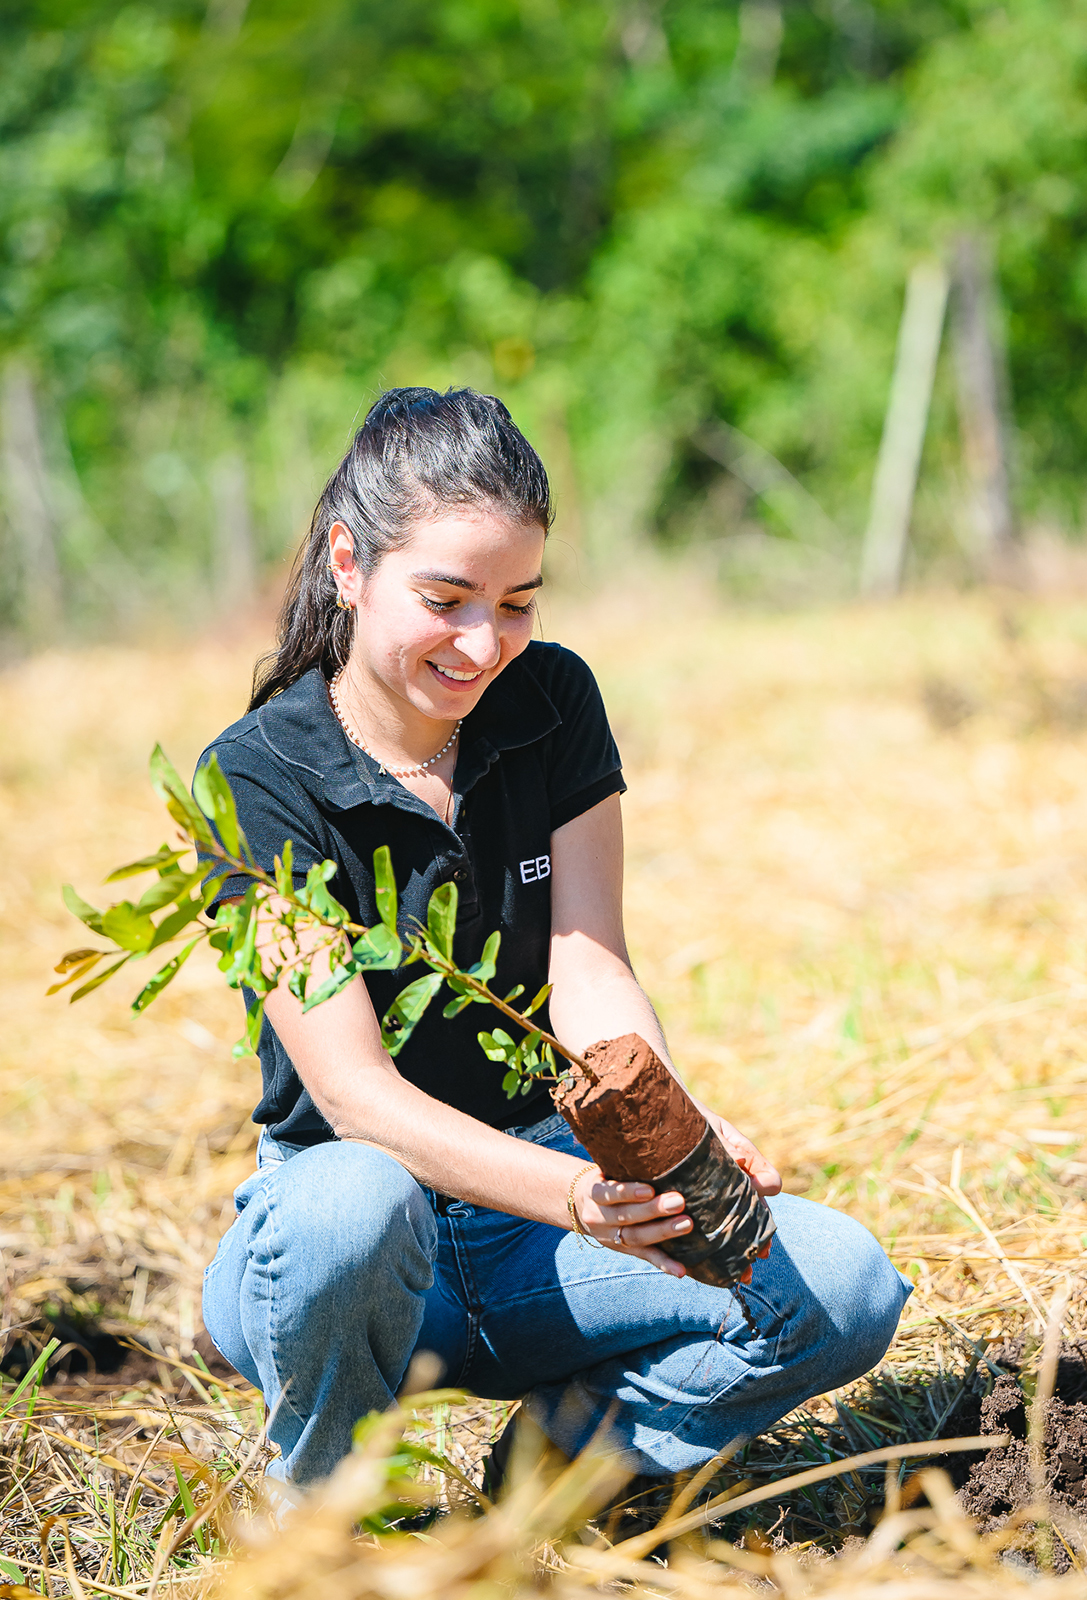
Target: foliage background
(224,227)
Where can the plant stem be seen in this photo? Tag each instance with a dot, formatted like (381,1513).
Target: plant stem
(433,958)
(450,970)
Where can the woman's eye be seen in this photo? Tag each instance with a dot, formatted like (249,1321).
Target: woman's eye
(441,606)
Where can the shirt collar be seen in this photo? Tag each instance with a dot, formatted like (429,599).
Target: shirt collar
(303,730)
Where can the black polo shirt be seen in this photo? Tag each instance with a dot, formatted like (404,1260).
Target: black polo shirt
(534,753)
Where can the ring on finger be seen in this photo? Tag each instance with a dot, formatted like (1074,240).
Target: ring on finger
(618,1240)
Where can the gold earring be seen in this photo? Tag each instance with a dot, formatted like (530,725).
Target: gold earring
(341,603)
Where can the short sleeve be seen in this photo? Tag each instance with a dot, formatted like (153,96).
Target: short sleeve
(271,809)
(586,767)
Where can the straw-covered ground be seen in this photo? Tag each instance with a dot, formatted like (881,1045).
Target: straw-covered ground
(857,849)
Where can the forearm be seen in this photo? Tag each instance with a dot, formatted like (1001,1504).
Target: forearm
(337,1052)
(596,996)
(453,1153)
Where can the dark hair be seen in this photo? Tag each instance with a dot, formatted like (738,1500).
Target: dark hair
(417,452)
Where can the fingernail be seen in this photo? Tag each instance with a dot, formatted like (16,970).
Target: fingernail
(643,1192)
(672,1202)
(682,1225)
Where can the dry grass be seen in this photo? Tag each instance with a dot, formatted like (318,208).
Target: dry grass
(857,849)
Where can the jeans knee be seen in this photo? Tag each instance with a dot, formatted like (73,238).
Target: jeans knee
(848,1296)
(346,1210)
(864,1319)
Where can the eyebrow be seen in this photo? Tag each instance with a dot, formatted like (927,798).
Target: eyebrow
(464,583)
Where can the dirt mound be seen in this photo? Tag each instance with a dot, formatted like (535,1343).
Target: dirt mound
(1000,1483)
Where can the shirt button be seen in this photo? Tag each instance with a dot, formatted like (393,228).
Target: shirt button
(461,875)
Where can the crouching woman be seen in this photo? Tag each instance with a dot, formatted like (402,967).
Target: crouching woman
(409,1205)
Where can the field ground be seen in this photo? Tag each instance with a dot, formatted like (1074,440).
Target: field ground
(857,863)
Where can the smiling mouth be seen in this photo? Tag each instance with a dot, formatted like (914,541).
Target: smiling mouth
(455,676)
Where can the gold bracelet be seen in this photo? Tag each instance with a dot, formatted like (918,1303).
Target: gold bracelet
(575,1220)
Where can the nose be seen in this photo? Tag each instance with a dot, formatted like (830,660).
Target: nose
(480,642)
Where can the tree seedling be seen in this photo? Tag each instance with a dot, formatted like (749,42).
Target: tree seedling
(276,931)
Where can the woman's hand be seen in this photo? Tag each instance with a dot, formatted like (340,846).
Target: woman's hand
(631,1218)
(767,1179)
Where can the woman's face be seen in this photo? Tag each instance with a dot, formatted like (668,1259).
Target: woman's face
(441,617)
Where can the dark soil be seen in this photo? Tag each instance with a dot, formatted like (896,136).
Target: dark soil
(97,1358)
(993,1486)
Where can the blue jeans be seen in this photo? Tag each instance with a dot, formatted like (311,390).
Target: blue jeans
(339,1266)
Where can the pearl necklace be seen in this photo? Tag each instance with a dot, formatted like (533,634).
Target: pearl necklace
(393,772)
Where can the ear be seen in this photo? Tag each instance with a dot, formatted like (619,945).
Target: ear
(341,555)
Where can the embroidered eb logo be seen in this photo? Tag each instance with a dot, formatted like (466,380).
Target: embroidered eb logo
(535,869)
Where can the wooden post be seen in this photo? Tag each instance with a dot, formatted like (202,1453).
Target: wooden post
(904,429)
(757,46)
(29,504)
(982,390)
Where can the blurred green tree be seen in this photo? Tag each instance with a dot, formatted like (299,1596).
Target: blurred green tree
(224,227)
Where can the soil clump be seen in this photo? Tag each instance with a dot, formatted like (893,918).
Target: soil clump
(637,1122)
(636,1119)
(996,1485)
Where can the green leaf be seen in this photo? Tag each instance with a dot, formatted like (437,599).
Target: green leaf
(511,1083)
(254,1021)
(164,976)
(126,926)
(99,979)
(170,888)
(497,1046)
(338,980)
(517,989)
(79,908)
(212,794)
(238,924)
(538,1001)
(163,859)
(10,1570)
(456,1006)
(441,918)
(228,920)
(213,883)
(484,968)
(185,1495)
(315,894)
(385,887)
(398,1023)
(284,869)
(171,926)
(179,802)
(378,950)
(32,1378)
